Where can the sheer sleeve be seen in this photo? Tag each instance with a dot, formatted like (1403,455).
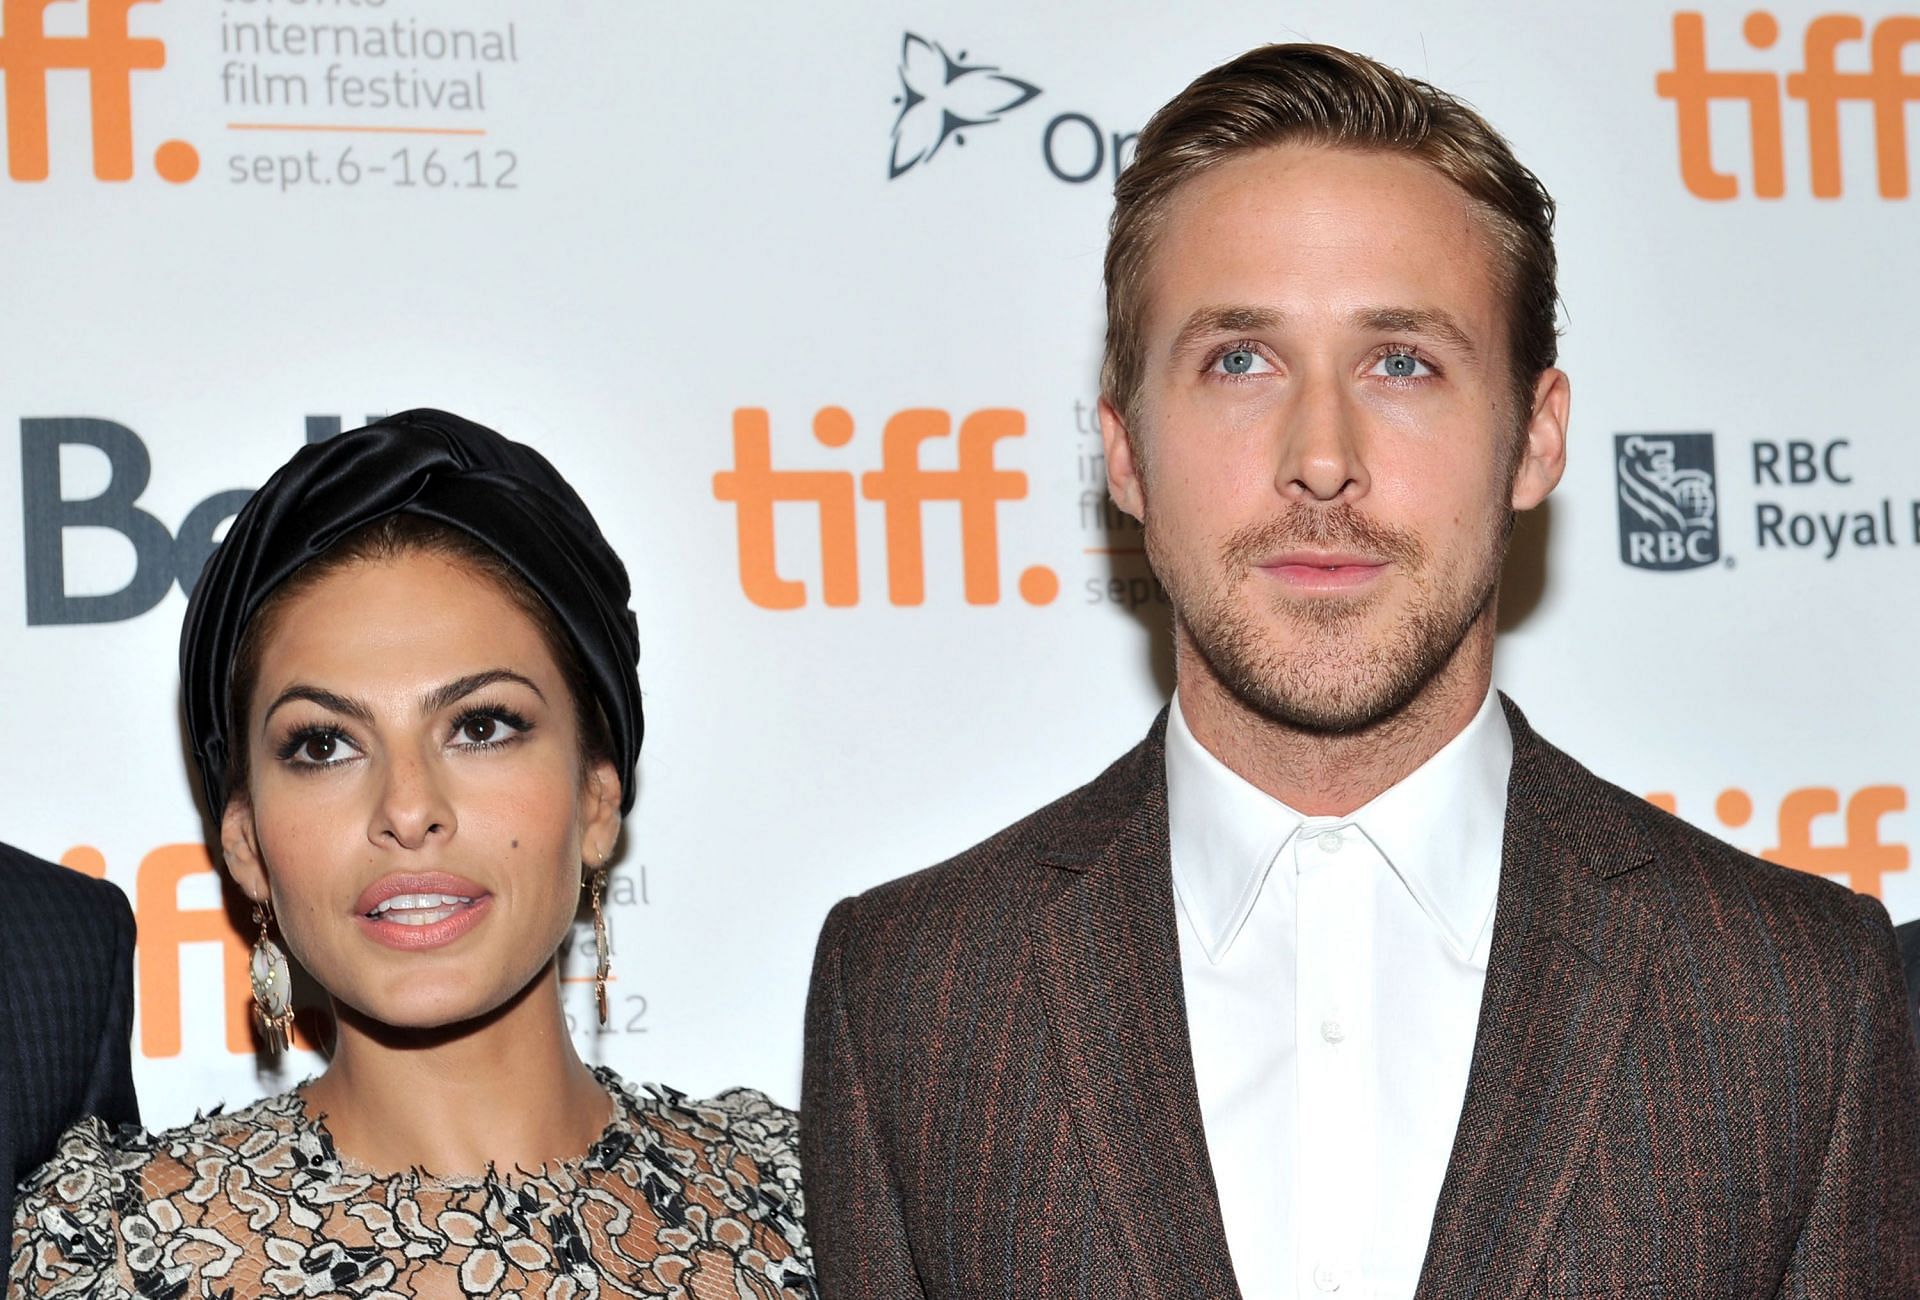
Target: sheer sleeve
(65,1224)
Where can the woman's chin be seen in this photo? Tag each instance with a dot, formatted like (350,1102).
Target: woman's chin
(424,1011)
(437,1003)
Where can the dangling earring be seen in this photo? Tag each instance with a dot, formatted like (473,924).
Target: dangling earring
(272,985)
(602,959)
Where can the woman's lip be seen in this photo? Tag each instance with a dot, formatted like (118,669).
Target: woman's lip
(412,938)
(415,882)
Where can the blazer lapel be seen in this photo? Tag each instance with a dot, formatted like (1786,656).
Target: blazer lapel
(1108,961)
(1572,949)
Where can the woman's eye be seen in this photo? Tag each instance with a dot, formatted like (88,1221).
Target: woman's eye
(318,749)
(480,731)
(1242,361)
(1402,365)
(484,730)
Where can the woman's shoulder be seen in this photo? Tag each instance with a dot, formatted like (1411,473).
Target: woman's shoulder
(739,1117)
(97,1169)
(739,1134)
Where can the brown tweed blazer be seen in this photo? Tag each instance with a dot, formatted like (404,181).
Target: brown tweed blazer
(1693,1075)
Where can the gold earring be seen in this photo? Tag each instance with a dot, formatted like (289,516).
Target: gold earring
(272,984)
(602,959)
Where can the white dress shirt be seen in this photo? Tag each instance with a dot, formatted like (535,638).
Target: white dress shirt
(1333,969)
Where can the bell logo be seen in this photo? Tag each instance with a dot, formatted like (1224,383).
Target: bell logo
(902,486)
(1821,85)
(109,54)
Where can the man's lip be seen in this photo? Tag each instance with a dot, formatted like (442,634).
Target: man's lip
(417,882)
(1321,560)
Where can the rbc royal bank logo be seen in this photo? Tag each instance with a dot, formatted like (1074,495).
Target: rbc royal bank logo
(1669,510)
(109,54)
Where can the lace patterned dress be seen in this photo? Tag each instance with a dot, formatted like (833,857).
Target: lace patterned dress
(692,1199)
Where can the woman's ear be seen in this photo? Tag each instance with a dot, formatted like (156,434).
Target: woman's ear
(240,844)
(600,813)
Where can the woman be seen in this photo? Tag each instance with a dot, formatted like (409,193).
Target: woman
(409,676)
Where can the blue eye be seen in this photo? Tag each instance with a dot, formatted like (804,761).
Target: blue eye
(1402,365)
(1241,361)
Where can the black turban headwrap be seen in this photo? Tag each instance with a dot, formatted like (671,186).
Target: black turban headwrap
(441,467)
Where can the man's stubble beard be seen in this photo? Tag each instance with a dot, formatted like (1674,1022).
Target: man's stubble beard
(1324,670)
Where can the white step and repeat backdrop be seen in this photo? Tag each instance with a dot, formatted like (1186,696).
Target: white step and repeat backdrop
(706,256)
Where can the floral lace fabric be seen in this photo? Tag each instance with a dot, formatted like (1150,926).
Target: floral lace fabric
(689,1199)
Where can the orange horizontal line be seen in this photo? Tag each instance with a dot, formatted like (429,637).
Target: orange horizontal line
(1115,550)
(586,979)
(367,130)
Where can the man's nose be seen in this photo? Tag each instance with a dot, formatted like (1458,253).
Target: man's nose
(1321,452)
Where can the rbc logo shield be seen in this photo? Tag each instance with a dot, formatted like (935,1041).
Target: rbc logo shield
(1669,510)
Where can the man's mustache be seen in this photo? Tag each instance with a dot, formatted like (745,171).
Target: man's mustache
(1323,528)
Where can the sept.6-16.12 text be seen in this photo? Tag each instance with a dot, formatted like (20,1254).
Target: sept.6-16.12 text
(408,167)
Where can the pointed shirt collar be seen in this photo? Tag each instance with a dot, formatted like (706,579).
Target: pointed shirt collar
(1440,829)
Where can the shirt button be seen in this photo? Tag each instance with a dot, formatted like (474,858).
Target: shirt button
(1329,841)
(1333,1031)
(1325,1279)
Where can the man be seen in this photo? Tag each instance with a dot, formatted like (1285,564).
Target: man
(66,1011)
(1344,982)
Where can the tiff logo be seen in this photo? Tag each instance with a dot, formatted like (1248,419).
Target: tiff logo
(109,54)
(1821,84)
(903,487)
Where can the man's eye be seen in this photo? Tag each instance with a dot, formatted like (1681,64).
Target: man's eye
(1242,361)
(1402,365)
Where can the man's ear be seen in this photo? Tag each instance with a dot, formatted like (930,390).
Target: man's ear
(1123,470)
(240,845)
(1543,458)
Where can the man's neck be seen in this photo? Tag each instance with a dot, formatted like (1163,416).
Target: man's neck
(1326,775)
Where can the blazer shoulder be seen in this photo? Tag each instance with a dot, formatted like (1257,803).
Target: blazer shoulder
(1910,953)
(1704,876)
(37,896)
(1076,828)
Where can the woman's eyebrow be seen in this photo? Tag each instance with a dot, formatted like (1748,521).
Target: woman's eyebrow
(461,687)
(324,698)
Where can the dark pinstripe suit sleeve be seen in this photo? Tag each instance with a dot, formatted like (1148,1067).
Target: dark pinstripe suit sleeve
(110,1084)
(1909,935)
(1861,1234)
(69,965)
(854,1219)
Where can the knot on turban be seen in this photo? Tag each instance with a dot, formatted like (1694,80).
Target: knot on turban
(442,467)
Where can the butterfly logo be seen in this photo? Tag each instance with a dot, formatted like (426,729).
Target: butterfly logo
(942,95)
